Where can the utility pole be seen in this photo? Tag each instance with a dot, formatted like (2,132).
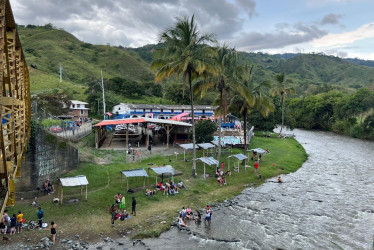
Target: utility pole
(60,70)
(102,87)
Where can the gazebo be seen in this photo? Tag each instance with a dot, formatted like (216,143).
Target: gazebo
(79,180)
(240,157)
(206,146)
(186,146)
(208,160)
(133,173)
(163,170)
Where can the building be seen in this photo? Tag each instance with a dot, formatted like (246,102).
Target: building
(78,111)
(127,110)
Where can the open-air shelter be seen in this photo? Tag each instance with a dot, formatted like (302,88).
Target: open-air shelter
(258,151)
(185,147)
(163,170)
(75,181)
(239,157)
(208,160)
(133,173)
(206,146)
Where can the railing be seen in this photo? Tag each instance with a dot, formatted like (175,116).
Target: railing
(15,108)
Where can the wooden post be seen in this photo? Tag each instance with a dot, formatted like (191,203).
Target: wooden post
(86,192)
(127,180)
(62,194)
(146,135)
(81,190)
(167,135)
(127,137)
(184,155)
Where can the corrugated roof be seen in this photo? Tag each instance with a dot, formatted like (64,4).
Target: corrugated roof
(160,106)
(135,172)
(77,102)
(239,157)
(187,146)
(141,120)
(208,160)
(164,170)
(259,150)
(206,145)
(79,180)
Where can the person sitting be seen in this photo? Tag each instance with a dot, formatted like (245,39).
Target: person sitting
(189,213)
(223,180)
(148,192)
(160,186)
(219,180)
(197,218)
(166,190)
(280,179)
(181,222)
(48,187)
(217,174)
(124,215)
(228,173)
(221,172)
(181,185)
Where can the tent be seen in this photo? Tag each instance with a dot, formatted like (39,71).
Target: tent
(185,147)
(133,173)
(258,151)
(163,170)
(208,160)
(79,180)
(206,146)
(240,157)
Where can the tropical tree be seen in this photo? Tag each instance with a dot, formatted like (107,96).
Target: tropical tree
(224,82)
(260,100)
(282,89)
(186,53)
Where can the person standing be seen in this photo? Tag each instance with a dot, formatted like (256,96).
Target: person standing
(19,221)
(133,207)
(256,166)
(150,148)
(13,224)
(40,215)
(113,216)
(53,232)
(123,203)
(6,220)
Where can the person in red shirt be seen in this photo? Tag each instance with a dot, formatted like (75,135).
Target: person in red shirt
(256,166)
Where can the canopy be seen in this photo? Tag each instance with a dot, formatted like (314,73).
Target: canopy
(178,117)
(135,172)
(216,143)
(206,145)
(208,160)
(259,150)
(187,146)
(164,170)
(79,180)
(239,157)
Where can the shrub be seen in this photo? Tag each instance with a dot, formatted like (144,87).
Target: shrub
(356,131)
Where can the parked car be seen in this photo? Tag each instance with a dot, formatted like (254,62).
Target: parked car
(55,129)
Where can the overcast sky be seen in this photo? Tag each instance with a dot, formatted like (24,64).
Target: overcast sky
(343,28)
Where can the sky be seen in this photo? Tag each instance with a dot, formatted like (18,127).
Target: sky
(343,28)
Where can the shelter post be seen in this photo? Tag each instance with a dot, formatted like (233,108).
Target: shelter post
(127,137)
(62,194)
(184,155)
(204,172)
(81,190)
(167,135)
(146,136)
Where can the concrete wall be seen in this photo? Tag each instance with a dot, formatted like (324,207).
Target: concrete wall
(48,157)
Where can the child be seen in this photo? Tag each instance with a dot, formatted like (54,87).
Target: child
(53,232)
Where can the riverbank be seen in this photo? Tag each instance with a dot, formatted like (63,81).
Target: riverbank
(91,221)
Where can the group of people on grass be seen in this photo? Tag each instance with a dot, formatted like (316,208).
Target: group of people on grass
(187,214)
(220,174)
(170,187)
(12,225)
(117,210)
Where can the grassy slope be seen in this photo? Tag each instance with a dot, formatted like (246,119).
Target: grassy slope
(91,217)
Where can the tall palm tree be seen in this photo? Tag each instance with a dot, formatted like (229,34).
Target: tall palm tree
(261,101)
(186,53)
(282,89)
(225,81)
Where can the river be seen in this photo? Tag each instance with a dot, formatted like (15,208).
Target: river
(326,204)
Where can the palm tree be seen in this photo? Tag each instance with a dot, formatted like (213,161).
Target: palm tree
(225,81)
(261,102)
(281,88)
(186,53)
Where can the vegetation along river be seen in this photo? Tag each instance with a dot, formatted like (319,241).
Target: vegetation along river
(326,204)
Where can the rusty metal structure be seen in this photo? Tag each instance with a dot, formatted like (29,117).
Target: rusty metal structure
(15,106)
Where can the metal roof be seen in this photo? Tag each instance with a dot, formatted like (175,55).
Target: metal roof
(206,145)
(79,180)
(208,160)
(188,145)
(160,106)
(259,150)
(164,169)
(135,172)
(239,156)
(216,143)
(141,120)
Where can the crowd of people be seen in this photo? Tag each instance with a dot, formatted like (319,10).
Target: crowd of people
(186,214)
(170,187)
(117,210)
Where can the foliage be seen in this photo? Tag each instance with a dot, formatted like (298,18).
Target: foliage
(53,102)
(174,92)
(205,130)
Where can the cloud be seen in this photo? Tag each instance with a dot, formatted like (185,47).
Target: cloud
(363,32)
(249,6)
(300,33)
(331,19)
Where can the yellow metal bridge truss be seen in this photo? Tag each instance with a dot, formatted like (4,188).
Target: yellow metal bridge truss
(15,106)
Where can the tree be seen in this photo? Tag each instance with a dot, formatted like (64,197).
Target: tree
(53,103)
(282,89)
(224,82)
(186,53)
(205,130)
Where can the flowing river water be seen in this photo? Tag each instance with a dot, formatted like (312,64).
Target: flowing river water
(326,204)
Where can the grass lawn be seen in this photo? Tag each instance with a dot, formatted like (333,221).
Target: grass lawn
(91,218)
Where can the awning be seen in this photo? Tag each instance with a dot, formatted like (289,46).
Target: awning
(259,150)
(164,170)
(208,160)
(135,172)
(108,113)
(187,146)
(178,117)
(79,180)
(239,157)
(206,145)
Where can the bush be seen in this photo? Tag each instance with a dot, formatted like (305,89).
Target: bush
(204,130)
(341,127)
(356,131)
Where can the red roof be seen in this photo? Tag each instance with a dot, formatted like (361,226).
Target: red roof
(117,122)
